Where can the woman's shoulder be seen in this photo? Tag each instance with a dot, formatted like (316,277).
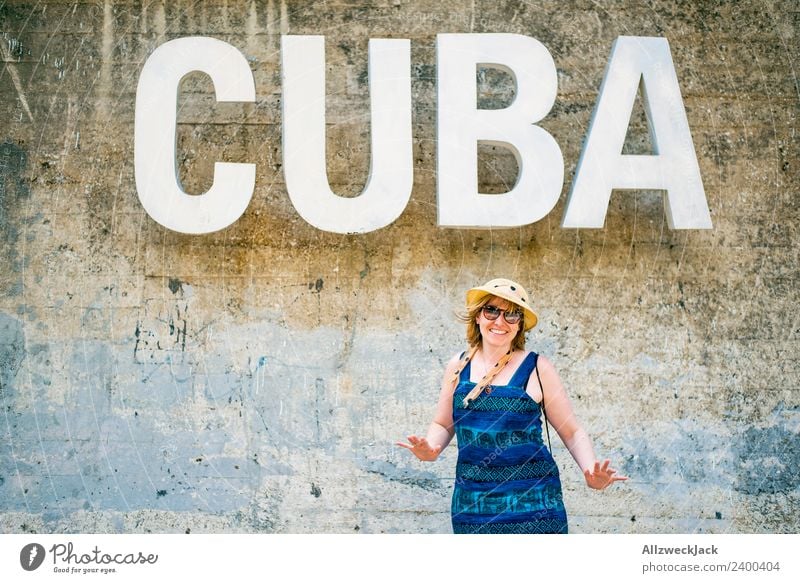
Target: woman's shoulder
(547,370)
(452,364)
(530,355)
(543,362)
(540,361)
(458,362)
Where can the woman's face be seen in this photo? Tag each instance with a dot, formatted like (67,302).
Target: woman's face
(498,333)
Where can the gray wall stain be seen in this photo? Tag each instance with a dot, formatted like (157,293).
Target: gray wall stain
(12,353)
(768,460)
(14,189)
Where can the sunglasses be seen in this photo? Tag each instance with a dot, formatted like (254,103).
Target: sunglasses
(493,312)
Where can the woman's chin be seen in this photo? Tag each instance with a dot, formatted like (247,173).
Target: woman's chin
(497,339)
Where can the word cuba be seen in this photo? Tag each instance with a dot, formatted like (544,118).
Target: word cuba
(460,127)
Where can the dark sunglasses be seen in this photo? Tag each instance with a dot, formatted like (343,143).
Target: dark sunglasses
(493,312)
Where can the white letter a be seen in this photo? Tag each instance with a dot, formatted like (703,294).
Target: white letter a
(602,166)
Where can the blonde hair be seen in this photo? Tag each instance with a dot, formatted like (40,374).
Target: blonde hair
(474,331)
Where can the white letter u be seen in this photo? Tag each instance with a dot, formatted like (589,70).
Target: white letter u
(391,173)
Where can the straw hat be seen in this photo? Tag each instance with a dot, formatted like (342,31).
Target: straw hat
(508,290)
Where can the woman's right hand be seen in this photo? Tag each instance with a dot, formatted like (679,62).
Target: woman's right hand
(420,447)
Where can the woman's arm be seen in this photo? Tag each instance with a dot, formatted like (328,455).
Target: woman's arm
(440,431)
(562,418)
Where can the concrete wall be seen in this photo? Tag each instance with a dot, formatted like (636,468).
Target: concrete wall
(254,380)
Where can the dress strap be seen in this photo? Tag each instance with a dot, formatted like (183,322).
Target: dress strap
(465,372)
(524,370)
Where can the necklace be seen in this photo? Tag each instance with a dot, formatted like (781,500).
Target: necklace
(485,363)
(488,376)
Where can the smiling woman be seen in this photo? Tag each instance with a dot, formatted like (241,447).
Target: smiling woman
(506,479)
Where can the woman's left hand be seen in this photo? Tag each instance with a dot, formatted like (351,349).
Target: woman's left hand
(602,476)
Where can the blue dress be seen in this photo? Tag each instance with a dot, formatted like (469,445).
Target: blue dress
(506,480)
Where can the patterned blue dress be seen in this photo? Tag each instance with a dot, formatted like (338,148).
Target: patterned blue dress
(506,480)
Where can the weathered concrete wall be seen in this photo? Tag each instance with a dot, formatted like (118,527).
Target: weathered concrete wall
(255,379)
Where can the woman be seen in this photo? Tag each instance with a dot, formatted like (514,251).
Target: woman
(491,397)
